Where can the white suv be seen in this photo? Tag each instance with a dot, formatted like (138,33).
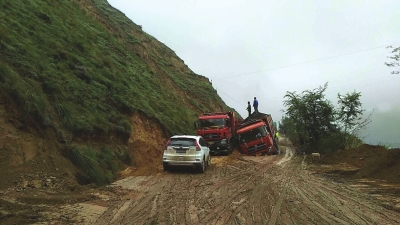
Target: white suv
(187,150)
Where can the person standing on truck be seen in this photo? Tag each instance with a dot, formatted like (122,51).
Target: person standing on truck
(255,105)
(248,108)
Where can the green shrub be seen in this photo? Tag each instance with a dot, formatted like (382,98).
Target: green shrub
(96,166)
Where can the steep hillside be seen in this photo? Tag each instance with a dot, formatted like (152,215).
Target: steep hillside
(81,82)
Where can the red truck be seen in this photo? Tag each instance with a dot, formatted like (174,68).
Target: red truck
(219,130)
(256,135)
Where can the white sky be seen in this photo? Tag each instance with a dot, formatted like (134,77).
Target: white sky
(263,48)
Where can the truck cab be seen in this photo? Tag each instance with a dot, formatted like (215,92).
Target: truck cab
(257,136)
(219,130)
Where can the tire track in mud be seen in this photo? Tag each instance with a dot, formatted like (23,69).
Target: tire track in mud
(304,208)
(223,210)
(180,200)
(278,205)
(265,200)
(227,188)
(255,190)
(336,205)
(314,204)
(321,201)
(114,211)
(174,198)
(140,189)
(260,199)
(281,177)
(228,184)
(352,208)
(316,210)
(191,216)
(207,187)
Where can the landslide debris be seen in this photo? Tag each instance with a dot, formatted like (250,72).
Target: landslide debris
(366,161)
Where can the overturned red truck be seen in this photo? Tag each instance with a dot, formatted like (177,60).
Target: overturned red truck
(256,135)
(219,130)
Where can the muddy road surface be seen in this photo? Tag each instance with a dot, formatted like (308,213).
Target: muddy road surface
(235,189)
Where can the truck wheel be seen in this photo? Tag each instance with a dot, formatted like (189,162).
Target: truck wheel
(202,167)
(229,149)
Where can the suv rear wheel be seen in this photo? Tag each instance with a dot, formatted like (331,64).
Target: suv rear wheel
(165,167)
(209,160)
(202,167)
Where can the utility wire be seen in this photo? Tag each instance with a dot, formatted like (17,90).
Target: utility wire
(315,60)
(230,97)
(329,57)
(390,129)
(397,112)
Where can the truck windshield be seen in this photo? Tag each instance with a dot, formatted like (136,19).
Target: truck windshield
(212,123)
(252,134)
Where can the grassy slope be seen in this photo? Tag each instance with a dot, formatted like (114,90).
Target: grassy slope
(85,67)
(80,67)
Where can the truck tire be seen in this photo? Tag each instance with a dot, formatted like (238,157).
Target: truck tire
(229,148)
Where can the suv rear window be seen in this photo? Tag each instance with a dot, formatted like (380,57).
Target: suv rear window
(185,142)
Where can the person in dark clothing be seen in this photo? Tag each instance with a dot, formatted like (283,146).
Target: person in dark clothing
(248,108)
(255,105)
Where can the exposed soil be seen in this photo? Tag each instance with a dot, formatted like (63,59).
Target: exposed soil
(367,161)
(235,189)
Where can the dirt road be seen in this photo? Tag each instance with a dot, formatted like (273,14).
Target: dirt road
(245,190)
(234,190)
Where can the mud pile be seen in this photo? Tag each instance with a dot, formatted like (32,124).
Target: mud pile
(372,162)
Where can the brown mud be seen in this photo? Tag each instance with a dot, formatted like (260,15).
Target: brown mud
(235,189)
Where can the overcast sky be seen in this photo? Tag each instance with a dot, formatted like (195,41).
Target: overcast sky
(263,48)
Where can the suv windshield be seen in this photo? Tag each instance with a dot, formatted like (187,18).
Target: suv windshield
(252,134)
(212,123)
(184,142)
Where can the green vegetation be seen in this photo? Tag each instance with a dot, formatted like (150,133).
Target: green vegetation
(312,122)
(87,69)
(96,166)
(61,65)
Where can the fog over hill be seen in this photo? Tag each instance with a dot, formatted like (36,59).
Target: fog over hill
(265,48)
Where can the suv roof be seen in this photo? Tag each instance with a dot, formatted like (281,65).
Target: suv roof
(185,136)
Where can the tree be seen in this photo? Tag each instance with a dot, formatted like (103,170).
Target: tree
(349,116)
(313,116)
(313,123)
(396,59)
